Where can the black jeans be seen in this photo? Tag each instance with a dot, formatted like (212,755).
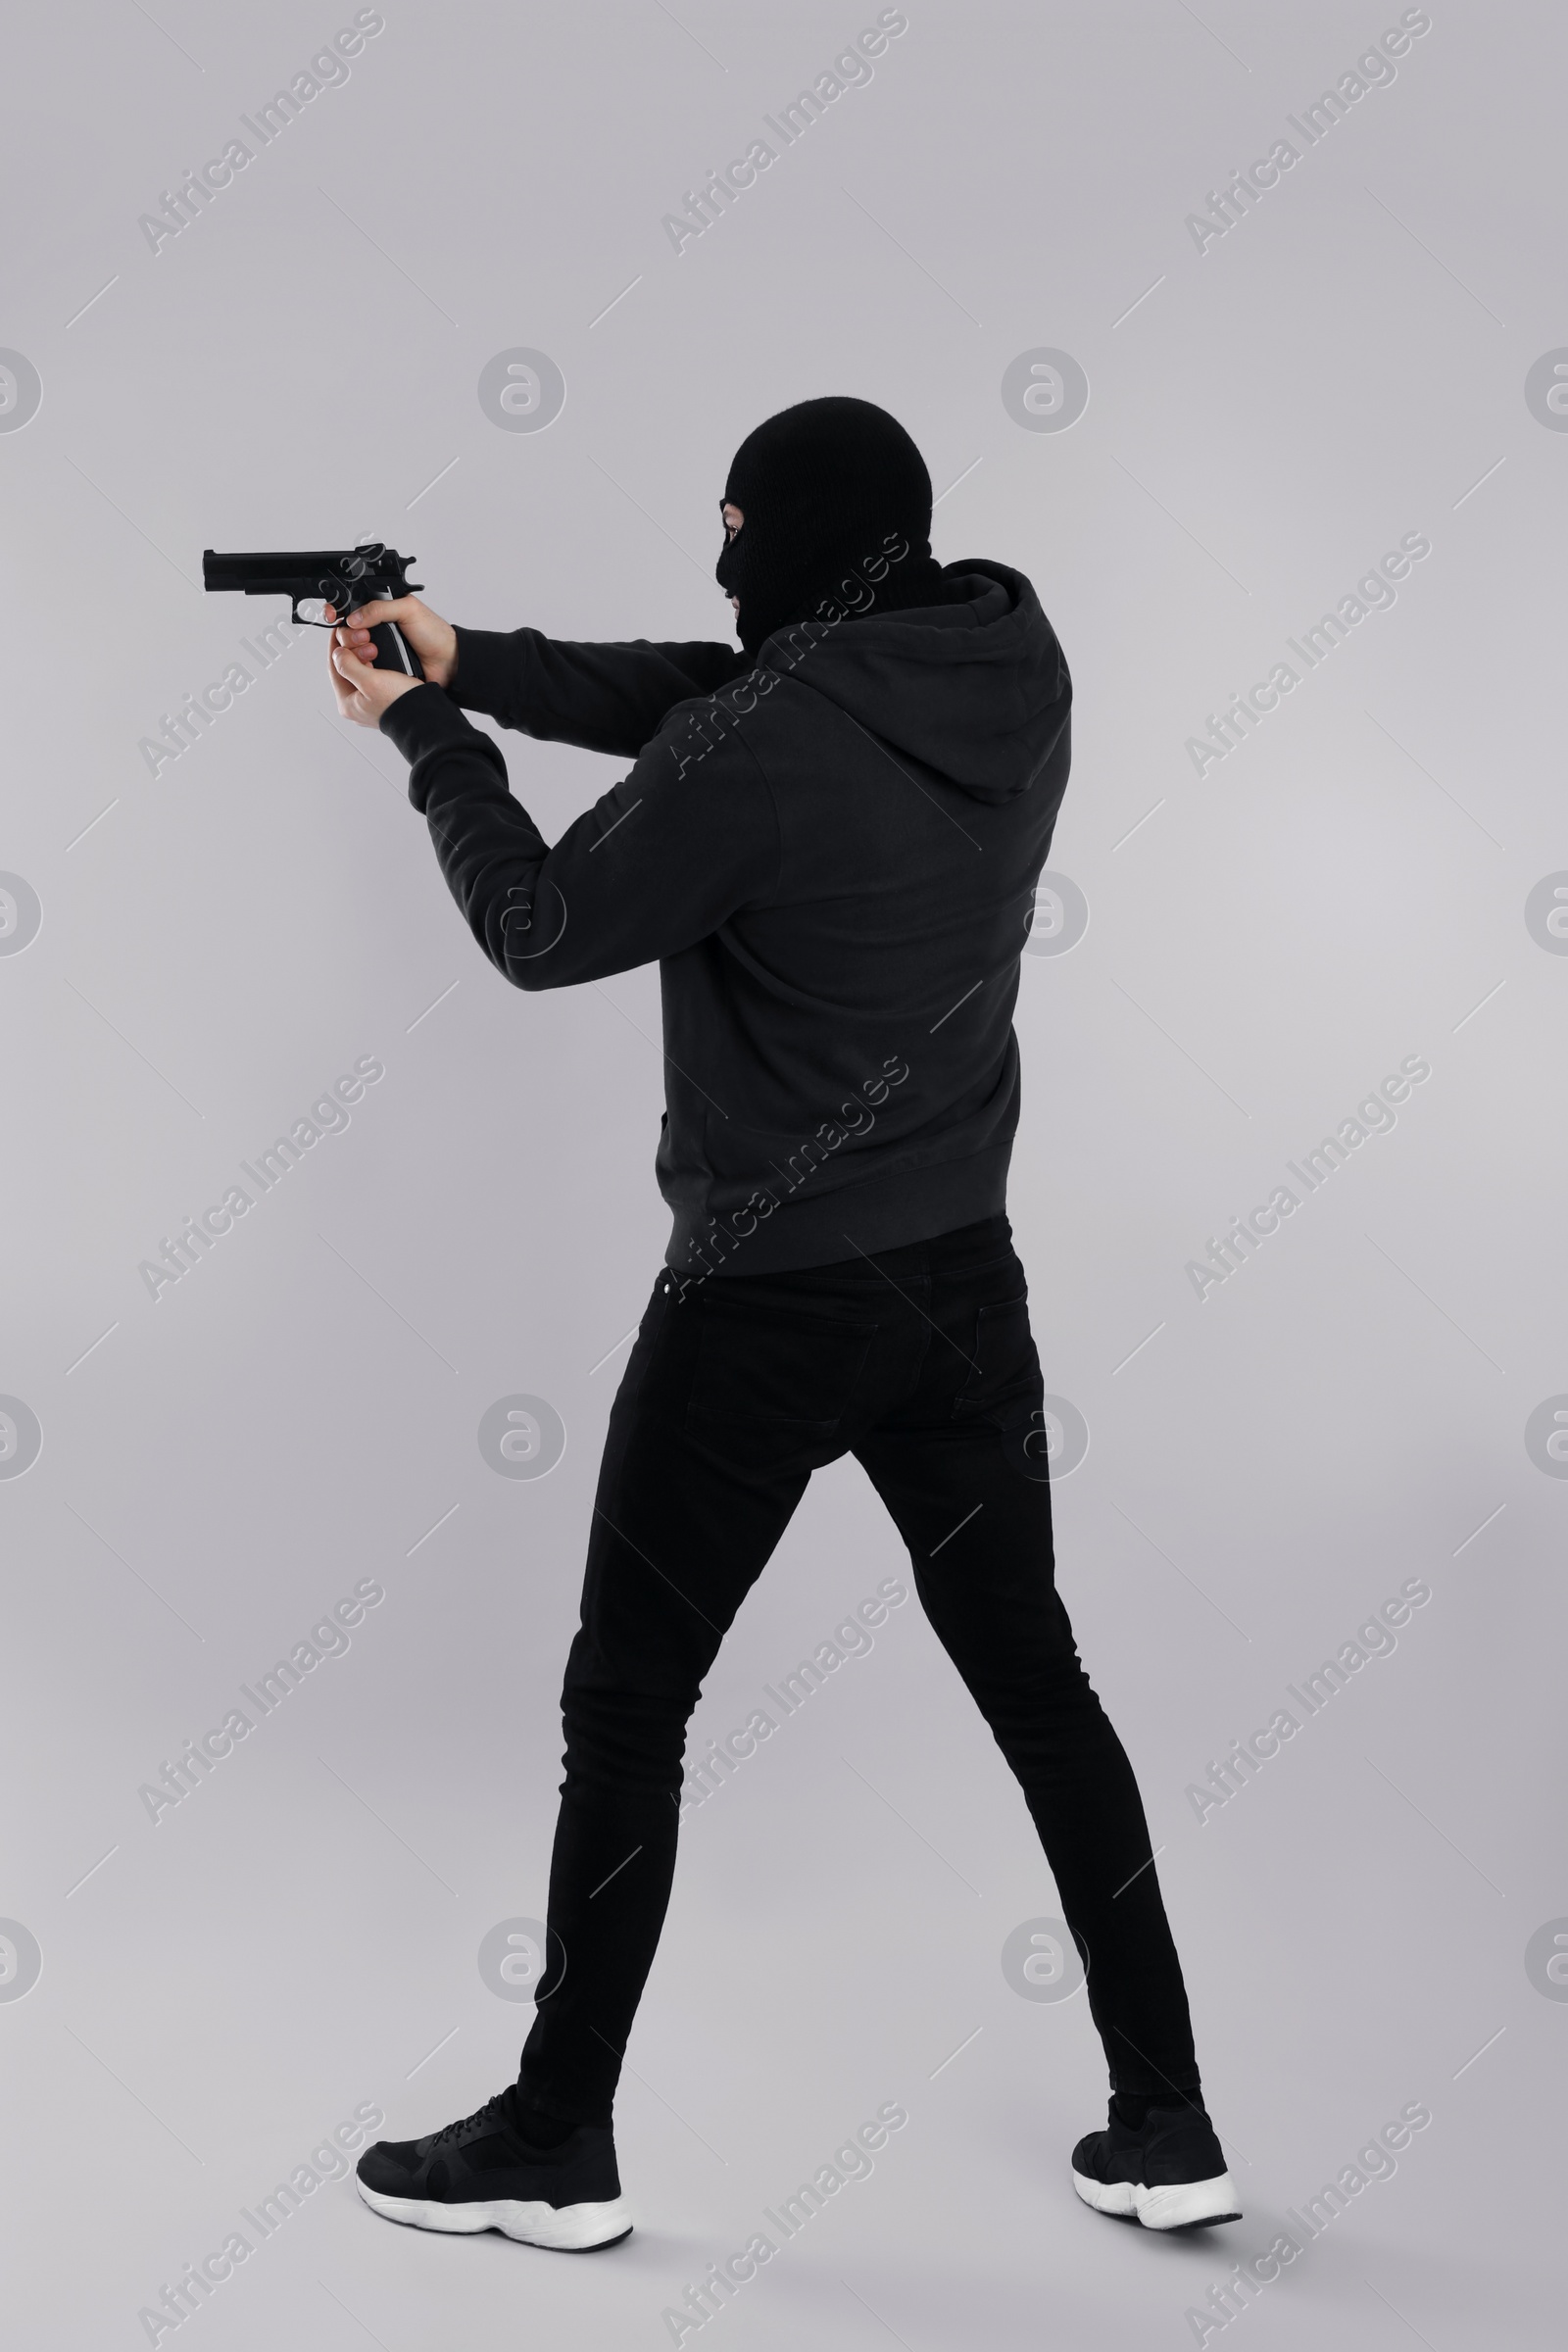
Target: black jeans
(920,1363)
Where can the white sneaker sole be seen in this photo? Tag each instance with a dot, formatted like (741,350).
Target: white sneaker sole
(569,2228)
(1185,2205)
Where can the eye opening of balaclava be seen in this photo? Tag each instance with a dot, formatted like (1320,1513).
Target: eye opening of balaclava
(825,487)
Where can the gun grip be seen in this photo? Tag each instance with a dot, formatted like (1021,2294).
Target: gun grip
(393,652)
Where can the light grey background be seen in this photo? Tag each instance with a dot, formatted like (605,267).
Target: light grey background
(1265,418)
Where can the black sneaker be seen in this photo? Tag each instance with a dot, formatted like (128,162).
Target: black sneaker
(481,2174)
(1169,2173)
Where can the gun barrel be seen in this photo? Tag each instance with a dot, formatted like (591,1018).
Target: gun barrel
(241,570)
(303,572)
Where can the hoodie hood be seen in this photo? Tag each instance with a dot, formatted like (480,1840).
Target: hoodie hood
(973,687)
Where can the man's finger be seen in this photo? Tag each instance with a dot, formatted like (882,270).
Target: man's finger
(343,693)
(355,672)
(369,616)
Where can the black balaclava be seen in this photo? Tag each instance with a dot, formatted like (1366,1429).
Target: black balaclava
(826,488)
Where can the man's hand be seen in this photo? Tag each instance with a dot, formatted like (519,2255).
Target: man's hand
(434,639)
(363,694)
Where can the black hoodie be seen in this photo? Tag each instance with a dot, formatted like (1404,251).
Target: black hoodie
(832,854)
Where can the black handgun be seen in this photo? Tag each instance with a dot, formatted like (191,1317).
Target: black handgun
(342,577)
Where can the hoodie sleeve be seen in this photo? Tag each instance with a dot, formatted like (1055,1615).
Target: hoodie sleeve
(603,697)
(655,865)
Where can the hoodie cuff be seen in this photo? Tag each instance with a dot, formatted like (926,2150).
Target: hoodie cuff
(424,720)
(484,676)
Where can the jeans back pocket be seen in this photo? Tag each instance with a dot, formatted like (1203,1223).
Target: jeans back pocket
(1004,1372)
(778,1373)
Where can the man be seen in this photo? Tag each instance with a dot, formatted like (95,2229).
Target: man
(830,843)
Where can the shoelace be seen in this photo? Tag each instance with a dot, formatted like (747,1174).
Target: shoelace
(491,2111)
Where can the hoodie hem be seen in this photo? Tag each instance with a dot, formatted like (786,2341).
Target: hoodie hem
(907,1204)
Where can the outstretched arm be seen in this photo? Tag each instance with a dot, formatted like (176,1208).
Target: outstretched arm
(657,865)
(603,697)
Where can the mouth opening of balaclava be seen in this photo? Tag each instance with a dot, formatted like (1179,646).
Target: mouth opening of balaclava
(826,488)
